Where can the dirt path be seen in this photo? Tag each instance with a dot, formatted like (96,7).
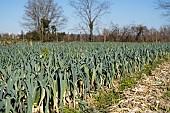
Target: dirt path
(148,95)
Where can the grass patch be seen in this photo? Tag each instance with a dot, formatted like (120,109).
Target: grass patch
(167,93)
(105,99)
(127,82)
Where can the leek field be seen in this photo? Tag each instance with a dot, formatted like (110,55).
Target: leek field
(47,77)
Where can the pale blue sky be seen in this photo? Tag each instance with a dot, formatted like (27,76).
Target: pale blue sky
(122,12)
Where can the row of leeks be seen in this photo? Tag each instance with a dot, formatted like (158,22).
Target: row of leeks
(46,77)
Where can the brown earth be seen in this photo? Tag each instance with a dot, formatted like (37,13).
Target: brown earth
(149,95)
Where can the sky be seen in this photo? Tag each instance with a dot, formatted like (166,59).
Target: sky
(122,12)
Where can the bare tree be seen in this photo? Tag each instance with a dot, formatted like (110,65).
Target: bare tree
(165,32)
(89,11)
(38,10)
(165,6)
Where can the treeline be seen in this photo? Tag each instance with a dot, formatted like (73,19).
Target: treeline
(131,33)
(7,35)
(136,33)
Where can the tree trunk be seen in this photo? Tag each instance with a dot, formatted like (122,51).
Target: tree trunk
(91,31)
(91,35)
(105,37)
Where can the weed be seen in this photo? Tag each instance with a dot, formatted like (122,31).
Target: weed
(127,82)
(105,99)
(167,93)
